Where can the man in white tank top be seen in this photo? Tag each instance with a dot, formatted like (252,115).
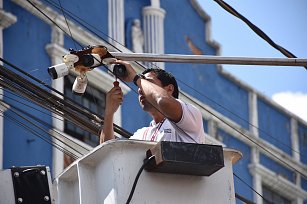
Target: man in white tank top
(173,120)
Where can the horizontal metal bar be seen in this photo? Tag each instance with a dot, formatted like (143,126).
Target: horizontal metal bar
(208,59)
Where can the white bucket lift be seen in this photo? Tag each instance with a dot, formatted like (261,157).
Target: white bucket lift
(106,175)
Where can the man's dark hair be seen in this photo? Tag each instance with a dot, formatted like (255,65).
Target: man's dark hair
(166,78)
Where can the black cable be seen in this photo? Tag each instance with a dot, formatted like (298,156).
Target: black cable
(55,101)
(245,200)
(50,19)
(7,97)
(38,127)
(257,30)
(67,25)
(137,177)
(269,202)
(46,125)
(40,136)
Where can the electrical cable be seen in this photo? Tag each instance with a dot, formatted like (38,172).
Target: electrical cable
(38,135)
(47,125)
(67,25)
(37,126)
(269,202)
(245,200)
(67,107)
(10,98)
(257,30)
(138,176)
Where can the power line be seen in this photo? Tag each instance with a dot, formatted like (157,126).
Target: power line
(257,30)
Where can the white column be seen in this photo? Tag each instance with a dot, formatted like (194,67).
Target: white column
(296,152)
(7,19)
(55,52)
(153,23)
(212,128)
(253,113)
(257,178)
(253,128)
(295,140)
(116,21)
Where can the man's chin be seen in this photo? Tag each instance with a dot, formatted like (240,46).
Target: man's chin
(145,106)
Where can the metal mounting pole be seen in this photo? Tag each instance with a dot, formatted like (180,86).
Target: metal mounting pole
(208,59)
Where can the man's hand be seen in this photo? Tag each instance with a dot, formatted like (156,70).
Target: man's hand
(130,71)
(114,99)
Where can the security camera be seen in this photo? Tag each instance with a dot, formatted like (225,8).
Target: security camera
(58,71)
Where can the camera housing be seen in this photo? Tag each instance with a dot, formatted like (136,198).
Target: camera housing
(58,71)
(79,85)
(119,70)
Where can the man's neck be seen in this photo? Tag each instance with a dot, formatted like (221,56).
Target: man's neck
(157,116)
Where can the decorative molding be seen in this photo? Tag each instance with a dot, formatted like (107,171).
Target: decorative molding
(295,140)
(253,113)
(278,183)
(7,19)
(194,49)
(153,24)
(116,22)
(208,30)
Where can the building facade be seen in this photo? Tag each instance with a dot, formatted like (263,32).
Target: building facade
(273,141)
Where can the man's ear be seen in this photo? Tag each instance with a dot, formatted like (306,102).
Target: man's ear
(169,88)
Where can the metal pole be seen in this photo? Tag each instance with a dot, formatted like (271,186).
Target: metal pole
(208,59)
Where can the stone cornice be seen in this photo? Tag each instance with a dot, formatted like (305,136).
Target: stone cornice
(277,182)
(208,30)
(7,19)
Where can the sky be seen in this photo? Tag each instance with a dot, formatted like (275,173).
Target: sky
(285,22)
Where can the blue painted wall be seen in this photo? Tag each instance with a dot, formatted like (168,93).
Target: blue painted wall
(277,168)
(94,14)
(201,81)
(24,45)
(274,126)
(241,167)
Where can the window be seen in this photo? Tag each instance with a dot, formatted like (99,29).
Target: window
(94,100)
(273,197)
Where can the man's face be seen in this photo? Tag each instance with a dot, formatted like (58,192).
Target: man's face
(152,77)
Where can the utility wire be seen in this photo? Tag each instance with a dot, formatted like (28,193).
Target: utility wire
(67,24)
(35,133)
(18,101)
(45,124)
(269,202)
(35,125)
(55,102)
(256,29)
